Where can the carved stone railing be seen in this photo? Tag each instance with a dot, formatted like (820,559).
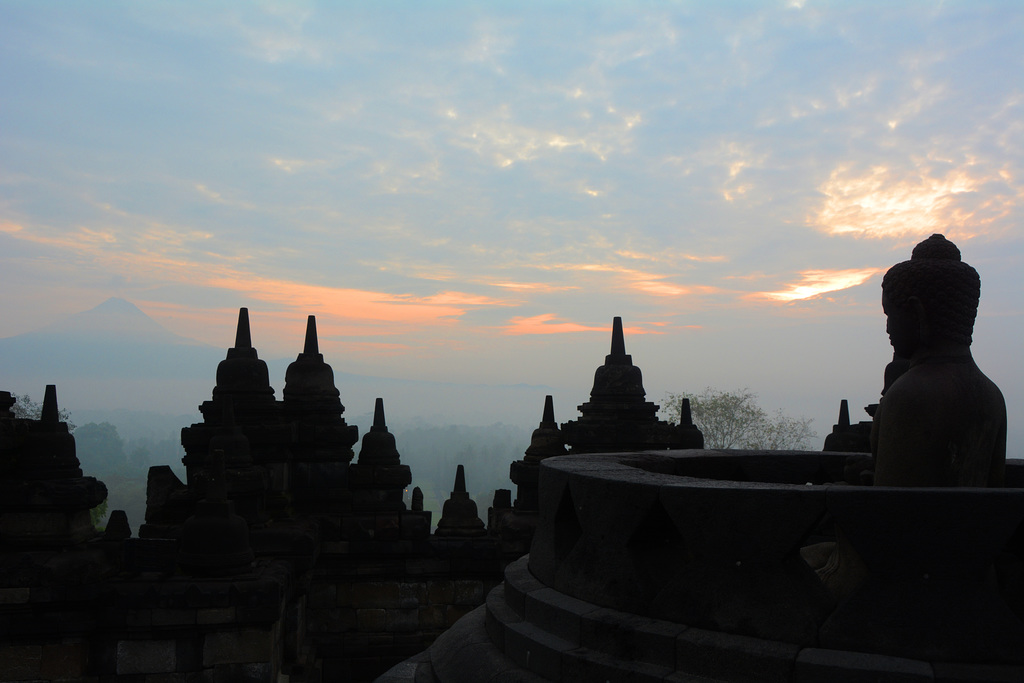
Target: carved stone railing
(712,540)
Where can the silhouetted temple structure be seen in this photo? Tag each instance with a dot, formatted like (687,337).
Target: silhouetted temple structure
(617,418)
(278,556)
(693,565)
(283,557)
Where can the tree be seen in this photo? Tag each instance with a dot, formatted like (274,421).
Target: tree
(27,409)
(733,419)
(100,449)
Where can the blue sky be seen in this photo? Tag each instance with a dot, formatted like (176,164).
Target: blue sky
(470,191)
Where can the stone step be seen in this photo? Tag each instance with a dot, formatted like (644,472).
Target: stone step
(562,638)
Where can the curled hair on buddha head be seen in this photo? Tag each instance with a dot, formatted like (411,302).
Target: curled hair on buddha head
(948,288)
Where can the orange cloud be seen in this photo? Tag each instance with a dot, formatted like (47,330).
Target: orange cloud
(159,255)
(884,203)
(816,282)
(542,324)
(545,324)
(348,304)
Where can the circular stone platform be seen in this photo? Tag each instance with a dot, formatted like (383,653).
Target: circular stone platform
(685,565)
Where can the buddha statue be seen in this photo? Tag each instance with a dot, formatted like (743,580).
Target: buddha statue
(941,421)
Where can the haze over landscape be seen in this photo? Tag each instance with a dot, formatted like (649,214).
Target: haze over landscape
(466,194)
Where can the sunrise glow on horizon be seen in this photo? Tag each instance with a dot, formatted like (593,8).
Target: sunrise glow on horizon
(472,191)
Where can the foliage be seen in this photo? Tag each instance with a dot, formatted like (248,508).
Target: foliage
(98,514)
(27,409)
(733,419)
(100,449)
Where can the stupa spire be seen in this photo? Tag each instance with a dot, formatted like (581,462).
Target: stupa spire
(844,414)
(243,338)
(312,347)
(548,418)
(618,340)
(685,414)
(460,479)
(379,424)
(50,413)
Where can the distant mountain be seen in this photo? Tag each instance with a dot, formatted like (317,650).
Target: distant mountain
(114,357)
(112,340)
(114,318)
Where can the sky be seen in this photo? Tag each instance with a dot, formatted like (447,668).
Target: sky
(469,192)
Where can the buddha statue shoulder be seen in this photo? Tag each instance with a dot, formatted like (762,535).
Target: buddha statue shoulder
(941,422)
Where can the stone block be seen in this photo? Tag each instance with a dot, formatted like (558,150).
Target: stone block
(189,653)
(433,616)
(946,672)
(319,620)
(14,596)
(630,636)
(519,582)
(441,592)
(343,594)
(735,658)
(402,620)
(190,677)
(174,617)
(139,618)
(76,621)
(252,672)
(19,662)
(375,594)
(427,566)
(64,660)
(535,649)
(412,594)
(215,615)
(146,656)
(371,619)
(586,665)
(557,612)
(497,615)
(468,592)
(238,646)
(347,619)
(322,594)
(814,665)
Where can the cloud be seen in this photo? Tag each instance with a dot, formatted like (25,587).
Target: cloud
(157,257)
(814,283)
(529,286)
(885,203)
(547,323)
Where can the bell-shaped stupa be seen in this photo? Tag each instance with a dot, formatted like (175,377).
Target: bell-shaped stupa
(309,387)
(378,479)
(618,418)
(244,378)
(459,515)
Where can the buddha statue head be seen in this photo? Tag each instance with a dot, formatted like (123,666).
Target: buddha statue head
(931,300)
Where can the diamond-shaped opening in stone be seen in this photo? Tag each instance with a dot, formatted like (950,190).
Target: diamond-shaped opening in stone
(567,525)
(656,548)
